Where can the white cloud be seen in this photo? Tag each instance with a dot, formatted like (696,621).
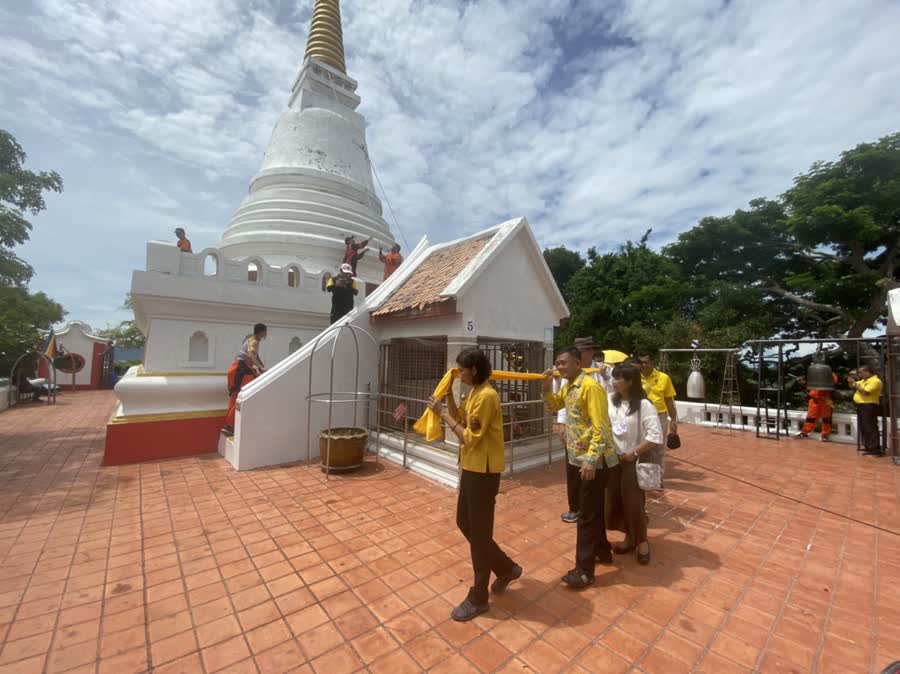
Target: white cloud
(595,119)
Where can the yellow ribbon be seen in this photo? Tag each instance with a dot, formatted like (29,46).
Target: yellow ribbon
(429,424)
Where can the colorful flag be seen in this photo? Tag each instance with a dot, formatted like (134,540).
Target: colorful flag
(49,347)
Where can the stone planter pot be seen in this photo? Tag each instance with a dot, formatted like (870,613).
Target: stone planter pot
(348,445)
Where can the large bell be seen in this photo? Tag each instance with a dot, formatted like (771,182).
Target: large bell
(696,387)
(819,376)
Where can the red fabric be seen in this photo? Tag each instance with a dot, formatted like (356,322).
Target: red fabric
(185,245)
(232,400)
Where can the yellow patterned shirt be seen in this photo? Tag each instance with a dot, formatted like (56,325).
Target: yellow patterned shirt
(588,431)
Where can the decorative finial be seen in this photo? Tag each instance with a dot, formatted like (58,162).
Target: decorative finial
(326,40)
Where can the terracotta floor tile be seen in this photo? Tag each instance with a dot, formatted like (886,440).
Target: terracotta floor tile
(307,619)
(224,654)
(373,645)
(131,662)
(356,622)
(62,659)
(455,664)
(388,607)
(543,657)
(269,635)
(429,649)
(397,662)
(714,663)
(487,653)
(218,631)
(599,658)
(21,649)
(320,639)
(339,604)
(33,665)
(341,660)
(282,658)
(119,643)
(170,625)
(624,644)
(172,648)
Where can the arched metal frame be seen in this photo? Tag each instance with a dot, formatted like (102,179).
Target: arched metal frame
(328,397)
(51,377)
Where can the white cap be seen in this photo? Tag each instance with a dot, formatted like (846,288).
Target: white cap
(346,269)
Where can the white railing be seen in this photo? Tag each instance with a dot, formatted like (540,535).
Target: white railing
(744,418)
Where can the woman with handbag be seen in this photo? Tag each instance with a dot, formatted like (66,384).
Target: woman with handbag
(636,431)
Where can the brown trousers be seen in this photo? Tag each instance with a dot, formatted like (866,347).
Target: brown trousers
(625,503)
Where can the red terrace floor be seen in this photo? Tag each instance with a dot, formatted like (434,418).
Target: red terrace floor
(188,566)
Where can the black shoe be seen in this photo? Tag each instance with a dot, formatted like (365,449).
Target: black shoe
(467,610)
(570,517)
(578,580)
(228,432)
(873,452)
(502,582)
(643,557)
(623,548)
(605,557)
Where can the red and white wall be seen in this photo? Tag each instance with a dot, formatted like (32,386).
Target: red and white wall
(77,339)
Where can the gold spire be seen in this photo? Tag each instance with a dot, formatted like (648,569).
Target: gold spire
(326,41)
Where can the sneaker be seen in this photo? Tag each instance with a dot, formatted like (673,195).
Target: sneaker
(577,580)
(826,438)
(502,582)
(570,517)
(605,557)
(801,436)
(468,610)
(228,432)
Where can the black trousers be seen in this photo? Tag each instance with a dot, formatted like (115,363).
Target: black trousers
(591,537)
(475,519)
(867,421)
(573,486)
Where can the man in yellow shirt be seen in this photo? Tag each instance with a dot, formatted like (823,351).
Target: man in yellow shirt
(867,397)
(590,448)
(659,389)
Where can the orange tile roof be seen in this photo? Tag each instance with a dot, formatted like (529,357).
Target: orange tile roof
(423,288)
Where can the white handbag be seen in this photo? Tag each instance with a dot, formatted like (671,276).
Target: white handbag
(649,475)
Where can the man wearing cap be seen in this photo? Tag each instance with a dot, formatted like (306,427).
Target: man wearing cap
(353,252)
(343,289)
(183,244)
(586,346)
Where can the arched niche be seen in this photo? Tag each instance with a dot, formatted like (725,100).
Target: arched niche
(210,264)
(294,345)
(198,347)
(293,276)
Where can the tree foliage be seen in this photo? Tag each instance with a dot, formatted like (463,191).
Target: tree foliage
(563,264)
(822,256)
(22,314)
(21,192)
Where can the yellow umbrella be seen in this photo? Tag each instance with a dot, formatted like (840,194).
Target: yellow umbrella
(614,357)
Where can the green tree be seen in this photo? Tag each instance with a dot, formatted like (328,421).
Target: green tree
(22,314)
(820,258)
(563,264)
(21,192)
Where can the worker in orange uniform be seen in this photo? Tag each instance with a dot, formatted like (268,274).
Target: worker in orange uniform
(184,245)
(820,407)
(391,261)
(246,367)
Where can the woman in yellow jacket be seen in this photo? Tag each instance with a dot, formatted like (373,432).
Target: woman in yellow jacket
(479,429)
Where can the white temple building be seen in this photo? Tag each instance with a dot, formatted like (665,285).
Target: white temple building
(315,187)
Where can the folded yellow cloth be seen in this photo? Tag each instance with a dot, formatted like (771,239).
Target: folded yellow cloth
(429,424)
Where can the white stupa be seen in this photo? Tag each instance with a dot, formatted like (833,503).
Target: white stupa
(315,185)
(313,190)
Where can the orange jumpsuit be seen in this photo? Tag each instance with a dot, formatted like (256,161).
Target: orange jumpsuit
(391,262)
(820,407)
(240,373)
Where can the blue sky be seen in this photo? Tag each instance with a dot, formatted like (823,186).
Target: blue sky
(596,120)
